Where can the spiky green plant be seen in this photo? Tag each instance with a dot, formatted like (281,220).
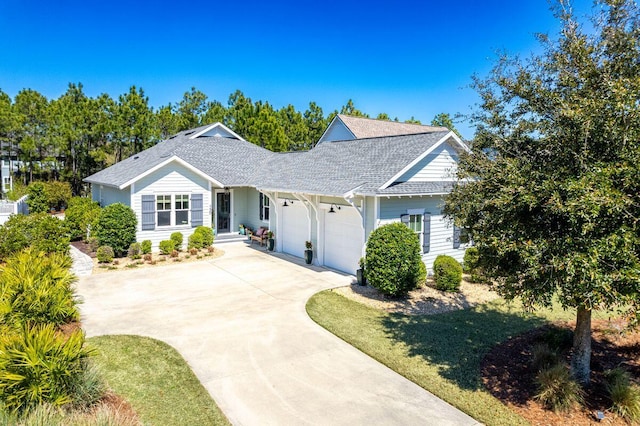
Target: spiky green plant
(39,365)
(625,396)
(557,390)
(35,288)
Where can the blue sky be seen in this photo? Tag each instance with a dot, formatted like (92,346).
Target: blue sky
(405,58)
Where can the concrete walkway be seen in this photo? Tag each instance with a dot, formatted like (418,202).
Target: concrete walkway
(82,264)
(240,322)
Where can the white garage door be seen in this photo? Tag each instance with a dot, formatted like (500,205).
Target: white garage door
(295,229)
(343,239)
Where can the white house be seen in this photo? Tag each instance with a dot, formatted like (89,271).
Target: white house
(362,173)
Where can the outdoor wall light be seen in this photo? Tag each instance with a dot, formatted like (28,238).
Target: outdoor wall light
(287,202)
(331,210)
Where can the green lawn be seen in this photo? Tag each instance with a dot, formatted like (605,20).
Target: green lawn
(442,353)
(156,380)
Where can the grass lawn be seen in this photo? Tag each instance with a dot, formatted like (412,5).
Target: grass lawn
(156,380)
(442,353)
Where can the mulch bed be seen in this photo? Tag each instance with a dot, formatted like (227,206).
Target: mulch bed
(507,373)
(84,247)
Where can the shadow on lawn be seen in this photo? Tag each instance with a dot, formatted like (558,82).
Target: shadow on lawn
(455,343)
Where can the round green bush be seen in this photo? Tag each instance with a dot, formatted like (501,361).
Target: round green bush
(166,246)
(196,241)
(135,251)
(207,235)
(177,239)
(447,273)
(470,260)
(146,246)
(40,231)
(116,227)
(104,254)
(393,260)
(81,217)
(37,200)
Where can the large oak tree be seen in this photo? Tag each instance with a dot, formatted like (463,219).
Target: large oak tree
(551,192)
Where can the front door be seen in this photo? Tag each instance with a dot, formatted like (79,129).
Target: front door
(223,212)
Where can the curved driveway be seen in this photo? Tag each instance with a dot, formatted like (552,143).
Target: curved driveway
(240,323)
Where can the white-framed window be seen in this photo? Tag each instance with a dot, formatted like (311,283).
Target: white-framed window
(264,207)
(415,224)
(172,210)
(163,209)
(182,209)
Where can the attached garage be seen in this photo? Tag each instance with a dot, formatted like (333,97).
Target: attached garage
(343,239)
(295,229)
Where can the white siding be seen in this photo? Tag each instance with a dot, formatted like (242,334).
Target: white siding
(439,165)
(106,195)
(337,131)
(171,179)
(441,228)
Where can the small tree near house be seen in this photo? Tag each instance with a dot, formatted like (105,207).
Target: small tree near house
(551,192)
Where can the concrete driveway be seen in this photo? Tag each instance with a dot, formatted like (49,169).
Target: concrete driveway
(240,323)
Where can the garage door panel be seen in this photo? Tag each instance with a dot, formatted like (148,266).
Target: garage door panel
(343,240)
(295,229)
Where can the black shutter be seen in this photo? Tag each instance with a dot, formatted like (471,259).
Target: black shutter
(426,232)
(148,212)
(456,237)
(196,210)
(261,207)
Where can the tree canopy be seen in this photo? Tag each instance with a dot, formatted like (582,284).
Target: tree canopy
(550,194)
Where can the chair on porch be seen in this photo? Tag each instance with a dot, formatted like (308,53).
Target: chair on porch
(260,236)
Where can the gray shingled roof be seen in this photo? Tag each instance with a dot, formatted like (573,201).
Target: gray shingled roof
(335,168)
(224,160)
(413,188)
(331,168)
(369,128)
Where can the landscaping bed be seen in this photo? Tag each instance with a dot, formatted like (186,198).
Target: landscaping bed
(426,300)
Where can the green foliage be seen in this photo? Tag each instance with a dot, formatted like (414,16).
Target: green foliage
(196,241)
(37,200)
(36,289)
(551,193)
(135,251)
(19,190)
(40,231)
(146,246)
(393,260)
(104,254)
(81,217)
(444,120)
(207,235)
(116,227)
(447,273)
(39,365)
(543,357)
(625,396)
(557,390)
(166,246)
(471,259)
(177,239)
(57,193)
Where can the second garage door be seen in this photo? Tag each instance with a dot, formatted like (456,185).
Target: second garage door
(343,239)
(295,229)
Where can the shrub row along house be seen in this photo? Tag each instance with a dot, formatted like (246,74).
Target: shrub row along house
(362,173)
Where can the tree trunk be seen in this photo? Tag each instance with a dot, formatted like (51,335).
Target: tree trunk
(581,357)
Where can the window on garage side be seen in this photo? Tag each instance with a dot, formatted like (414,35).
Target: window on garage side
(264,207)
(163,209)
(182,209)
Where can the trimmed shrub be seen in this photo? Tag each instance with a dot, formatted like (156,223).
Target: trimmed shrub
(625,396)
(196,241)
(193,251)
(146,246)
(35,288)
(104,254)
(174,253)
(177,239)
(207,235)
(39,365)
(39,231)
(37,200)
(557,390)
(135,251)
(166,246)
(393,260)
(81,217)
(471,259)
(116,228)
(447,273)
